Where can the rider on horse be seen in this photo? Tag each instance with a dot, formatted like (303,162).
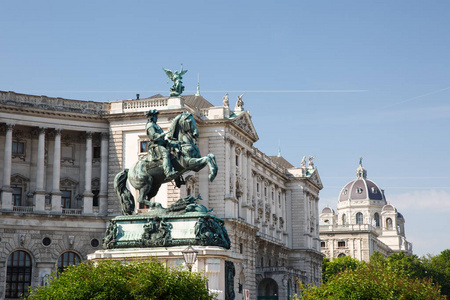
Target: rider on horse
(158,147)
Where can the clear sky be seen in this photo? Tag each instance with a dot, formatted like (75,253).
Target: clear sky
(333,79)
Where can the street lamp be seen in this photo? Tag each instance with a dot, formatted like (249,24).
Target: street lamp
(190,256)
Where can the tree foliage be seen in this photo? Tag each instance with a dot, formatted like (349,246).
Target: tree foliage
(337,265)
(368,281)
(438,269)
(115,280)
(398,276)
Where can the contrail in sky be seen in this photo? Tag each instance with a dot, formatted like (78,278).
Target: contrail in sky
(417,97)
(224,91)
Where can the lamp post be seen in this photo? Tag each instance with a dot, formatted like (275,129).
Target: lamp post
(189,256)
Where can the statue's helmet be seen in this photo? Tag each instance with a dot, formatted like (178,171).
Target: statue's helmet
(152,112)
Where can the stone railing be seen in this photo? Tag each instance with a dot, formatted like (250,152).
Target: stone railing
(204,112)
(269,238)
(72,211)
(50,103)
(263,157)
(23,209)
(349,227)
(133,105)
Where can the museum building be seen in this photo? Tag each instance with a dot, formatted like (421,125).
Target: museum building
(60,157)
(364,223)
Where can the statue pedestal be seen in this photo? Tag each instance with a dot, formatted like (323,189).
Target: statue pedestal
(211,261)
(175,102)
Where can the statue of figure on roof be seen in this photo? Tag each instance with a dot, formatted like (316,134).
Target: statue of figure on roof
(226,101)
(175,76)
(311,163)
(303,163)
(240,103)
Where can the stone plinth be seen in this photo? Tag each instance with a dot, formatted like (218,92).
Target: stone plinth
(183,223)
(211,261)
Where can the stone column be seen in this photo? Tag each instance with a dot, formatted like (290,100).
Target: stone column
(56,193)
(204,184)
(103,195)
(227,167)
(244,176)
(6,189)
(39,194)
(233,169)
(87,195)
(251,211)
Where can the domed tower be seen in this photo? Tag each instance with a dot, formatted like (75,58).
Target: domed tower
(360,201)
(364,222)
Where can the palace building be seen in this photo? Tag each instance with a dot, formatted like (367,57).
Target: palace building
(60,157)
(364,222)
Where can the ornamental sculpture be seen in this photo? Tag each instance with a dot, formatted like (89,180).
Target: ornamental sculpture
(167,160)
(170,155)
(175,76)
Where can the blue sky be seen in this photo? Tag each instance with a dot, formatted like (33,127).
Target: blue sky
(333,79)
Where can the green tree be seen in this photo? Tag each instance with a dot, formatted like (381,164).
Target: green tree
(337,265)
(438,269)
(369,281)
(110,280)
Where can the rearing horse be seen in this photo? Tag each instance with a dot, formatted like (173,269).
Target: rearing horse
(147,175)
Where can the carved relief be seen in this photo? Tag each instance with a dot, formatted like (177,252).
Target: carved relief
(281,222)
(274,219)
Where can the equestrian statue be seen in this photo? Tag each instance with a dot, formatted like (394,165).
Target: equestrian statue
(170,154)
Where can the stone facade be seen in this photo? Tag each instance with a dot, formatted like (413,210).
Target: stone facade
(364,223)
(62,156)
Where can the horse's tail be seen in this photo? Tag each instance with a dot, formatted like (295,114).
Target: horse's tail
(125,196)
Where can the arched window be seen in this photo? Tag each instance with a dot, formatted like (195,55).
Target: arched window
(388,223)
(376,217)
(341,255)
(344,219)
(66,259)
(359,218)
(18,274)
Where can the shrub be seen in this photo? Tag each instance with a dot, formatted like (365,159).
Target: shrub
(122,281)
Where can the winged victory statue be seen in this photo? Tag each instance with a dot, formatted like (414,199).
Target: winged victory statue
(175,76)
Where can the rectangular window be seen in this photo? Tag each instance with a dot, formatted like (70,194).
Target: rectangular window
(144,146)
(96,152)
(18,148)
(95,197)
(237,161)
(17,196)
(241,248)
(341,244)
(265,191)
(66,199)
(322,244)
(257,187)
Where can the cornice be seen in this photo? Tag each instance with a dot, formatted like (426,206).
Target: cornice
(45,113)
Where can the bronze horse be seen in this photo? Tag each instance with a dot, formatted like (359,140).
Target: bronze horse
(147,175)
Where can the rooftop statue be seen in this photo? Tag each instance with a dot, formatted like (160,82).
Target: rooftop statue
(175,76)
(239,103)
(169,155)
